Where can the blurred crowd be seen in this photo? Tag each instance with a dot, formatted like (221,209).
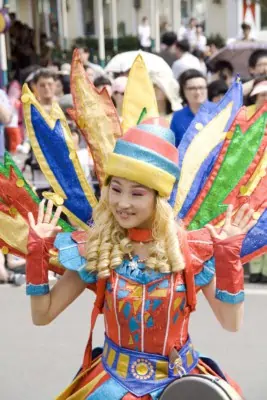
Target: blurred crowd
(192,81)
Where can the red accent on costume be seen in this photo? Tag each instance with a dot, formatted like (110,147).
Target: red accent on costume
(17,197)
(140,235)
(229,269)
(38,259)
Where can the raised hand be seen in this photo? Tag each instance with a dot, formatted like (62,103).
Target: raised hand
(238,224)
(46,224)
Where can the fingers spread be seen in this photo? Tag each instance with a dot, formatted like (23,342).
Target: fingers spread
(240,214)
(228,215)
(41,212)
(212,231)
(48,212)
(56,216)
(246,219)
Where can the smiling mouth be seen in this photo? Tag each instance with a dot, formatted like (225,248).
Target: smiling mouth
(124,214)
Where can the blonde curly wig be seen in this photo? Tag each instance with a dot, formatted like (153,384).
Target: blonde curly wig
(108,243)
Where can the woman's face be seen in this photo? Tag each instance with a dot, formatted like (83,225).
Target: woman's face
(131,204)
(195,91)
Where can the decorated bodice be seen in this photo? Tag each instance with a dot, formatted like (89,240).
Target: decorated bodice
(144,310)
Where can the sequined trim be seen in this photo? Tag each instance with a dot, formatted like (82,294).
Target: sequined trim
(207,273)
(37,290)
(146,155)
(231,298)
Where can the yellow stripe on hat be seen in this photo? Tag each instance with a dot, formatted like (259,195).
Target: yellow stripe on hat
(141,172)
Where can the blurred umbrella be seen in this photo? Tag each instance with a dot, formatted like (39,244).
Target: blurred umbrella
(238,53)
(122,62)
(66,102)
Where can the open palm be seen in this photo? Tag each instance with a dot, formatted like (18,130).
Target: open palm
(46,224)
(238,224)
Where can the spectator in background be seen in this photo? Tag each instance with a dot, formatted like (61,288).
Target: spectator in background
(164,27)
(144,35)
(5,118)
(168,53)
(216,90)
(44,86)
(190,33)
(13,131)
(103,82)
(200,55)
(90,73)
(193,92)
(257,96)
(223,70)
(185,60)
(257,66)
(200,41)
(118,89)
(89,66)
(212,48)
(246,32)
(258,62)
(167,93)
(62,85)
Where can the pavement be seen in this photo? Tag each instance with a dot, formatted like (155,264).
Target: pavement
(38,362)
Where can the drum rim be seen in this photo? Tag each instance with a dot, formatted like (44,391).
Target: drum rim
(206,377)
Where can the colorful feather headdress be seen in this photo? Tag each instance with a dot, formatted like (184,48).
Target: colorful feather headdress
(222,158)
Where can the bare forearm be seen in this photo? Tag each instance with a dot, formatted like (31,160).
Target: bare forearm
(229,315)
(40,306)
(46,308)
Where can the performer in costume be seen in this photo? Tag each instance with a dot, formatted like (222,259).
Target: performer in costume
(145,269)
(151,271)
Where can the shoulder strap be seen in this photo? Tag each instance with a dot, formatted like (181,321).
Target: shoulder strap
(98,309)
(188,272)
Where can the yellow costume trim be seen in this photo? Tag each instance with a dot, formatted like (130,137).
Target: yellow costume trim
(141,172)
(59,196)
(81,394)
(95,115)
(140,88)
(212,134)
(14,231)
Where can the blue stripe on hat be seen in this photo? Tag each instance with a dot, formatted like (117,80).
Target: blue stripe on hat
(146,155)
(161,131)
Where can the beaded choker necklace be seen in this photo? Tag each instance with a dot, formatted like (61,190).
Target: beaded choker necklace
(140,235)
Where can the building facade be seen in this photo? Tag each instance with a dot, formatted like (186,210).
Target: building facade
(65,20)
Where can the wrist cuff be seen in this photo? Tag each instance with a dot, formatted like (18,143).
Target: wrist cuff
(37,290)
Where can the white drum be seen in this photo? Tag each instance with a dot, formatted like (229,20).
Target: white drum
(200,387)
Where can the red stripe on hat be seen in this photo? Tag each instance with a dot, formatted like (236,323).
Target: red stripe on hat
(152,142)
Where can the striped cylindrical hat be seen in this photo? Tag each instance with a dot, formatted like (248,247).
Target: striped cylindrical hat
(146,154)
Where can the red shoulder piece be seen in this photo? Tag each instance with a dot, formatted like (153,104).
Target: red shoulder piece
(201,247)
(80,237)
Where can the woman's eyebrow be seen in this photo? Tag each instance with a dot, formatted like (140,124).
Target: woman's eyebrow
(115,181)
(138,186)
